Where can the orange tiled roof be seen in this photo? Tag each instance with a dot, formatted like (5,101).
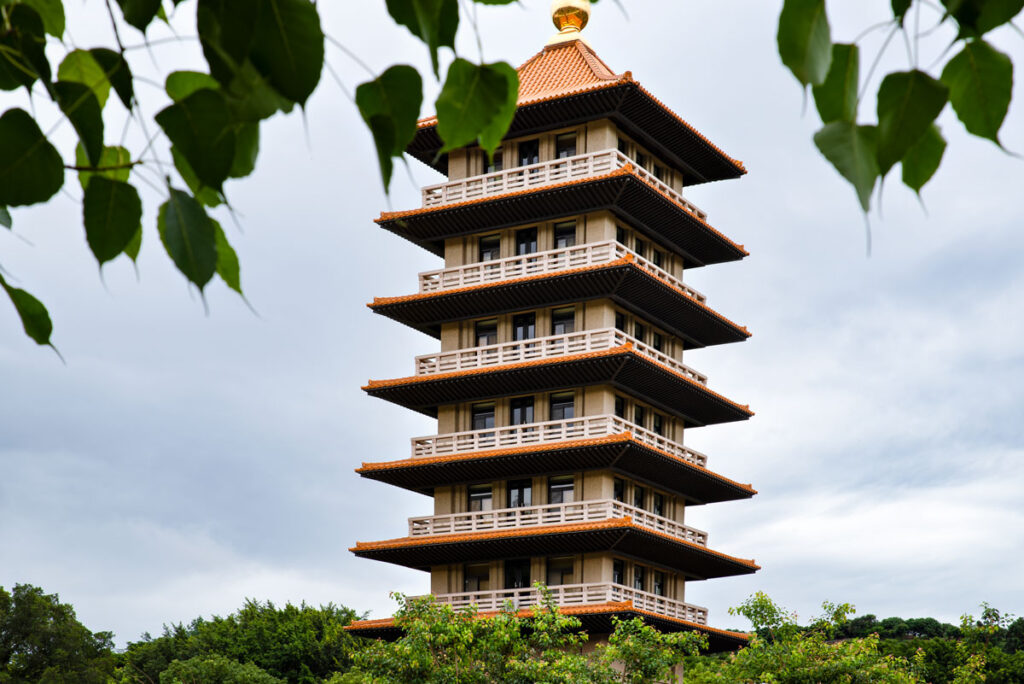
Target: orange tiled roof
(496,453)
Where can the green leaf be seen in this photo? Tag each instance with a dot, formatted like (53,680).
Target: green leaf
(79,105)
(836,98)
(899,9)
(227,29)
(139,13)
(805,41)
(134,245)
(908,103)
(24,43)
(247,149)
(111,157)
(852,149)
(288,47)
(476,103)
(923,159)
(5,218)
(252,98)
(980,81)
(435,22)
(118,73)
(977,17)
(206,196)
(189,237)
(34,316)
(112,212)
(390,105)
(81,67)
(52,14)
(31,169)
(227,261)
(201,129)
(181,84)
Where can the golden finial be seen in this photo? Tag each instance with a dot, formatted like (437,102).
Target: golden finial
(570,18)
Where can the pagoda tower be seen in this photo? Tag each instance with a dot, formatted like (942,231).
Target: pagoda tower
(560,391)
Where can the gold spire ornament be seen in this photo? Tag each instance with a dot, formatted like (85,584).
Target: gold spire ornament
(570,18)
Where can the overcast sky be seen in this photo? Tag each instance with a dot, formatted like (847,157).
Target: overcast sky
(181,462)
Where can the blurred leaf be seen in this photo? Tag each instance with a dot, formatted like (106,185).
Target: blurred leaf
(390,105)
(206,196)
(189,237)
(52,14)
(852,149)
(289,47)
(923,159)
(836,98)
(134,245)
(34,317)
(139,13)
(435,22)
(908,103)
(79,105)
(113,212)
(252,98)
(247,149)
(118,73)
(476,103)
(181,84)
(980,81)
(805,41)
(899,9)
(81,67)
(25,54)
(5,218)
(201,129)
(977,17)
(31,169)
(227,261)
(111,157)
(227,29)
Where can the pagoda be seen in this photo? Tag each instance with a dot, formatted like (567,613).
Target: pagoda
(560,391)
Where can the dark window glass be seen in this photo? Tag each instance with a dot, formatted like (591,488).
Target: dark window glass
(642,160)
(640,331)
(658,258)
(618,572)
(658,341)
(565,235)
(565,145)
(562,406)
(620,235)
(476,577)
(486,333)
(490,248)
(526,241)
(640,247)
(524,327)
(517,573)
(638,577)
(658,583)
(561,489)
(624,146)
(620,407)
(563,321)
(658,504)
(660,172)
(480,497)
(620,321)
(658,425)
(520,493)
(559,571)
(639,493)
(496,163)
(640,416)
(521,411)
(619,490)
(483,416)
(529,152)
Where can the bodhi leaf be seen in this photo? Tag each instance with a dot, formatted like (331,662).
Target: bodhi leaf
(139,13)
(247,149)
(226,31)
(24,40)
(908,103)
(52,14)
(288,47)
(201,129)
(836,98)
(922,160)
(476,103)
(83,111)
(5,218)
(227,261)
(852,149)
(390,105)
(805,41)
(115,162)
(113,212)
(980,81)
(31,169)
(977,17)
(435,22)
(34,317)
(81,67)
(206,196)
(899,9)
(189,237)
(181,84)
(118,73)
(134,245)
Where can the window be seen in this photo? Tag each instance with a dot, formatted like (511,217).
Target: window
(638,577)
(661,173)
(620,321)
(658,504)
(476,577)
(490,248)
(640,247)
(563,321)
(658,258)
(480,497)
(526,241)
(618,572)
(565,235)
(639,416)
(565,146)
(619,490)
(658,424)
(520,493)
(561,489)
(658,583)
(624,146)
(642,160)
(529,152)
(639,494)
(658,342)
(524,327)
(640,331)
(563,406)
(496,162)
(521,411)
(620,235)
(559,571)
(620,407)
(483,416)
(517,573)
(486,332)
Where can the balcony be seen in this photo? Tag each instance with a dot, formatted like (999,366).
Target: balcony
(568,595)
(545,348)
(547,173)
(552,432)
(541,263)
(551,514)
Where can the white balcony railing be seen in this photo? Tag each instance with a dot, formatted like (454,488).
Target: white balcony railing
(546,173)
(576,595)
(541,263)
(551,514)
(546,348)
(552,432)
